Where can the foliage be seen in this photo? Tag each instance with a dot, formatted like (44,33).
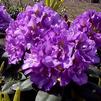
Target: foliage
(55,4)
(5,97)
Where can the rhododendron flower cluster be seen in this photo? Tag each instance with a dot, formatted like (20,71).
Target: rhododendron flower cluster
(5,18)
(51,51)
(89,23)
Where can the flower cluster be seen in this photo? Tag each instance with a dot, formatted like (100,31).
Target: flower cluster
(90,23)
(51,51)
(5,18)
(85,32)
(85,54)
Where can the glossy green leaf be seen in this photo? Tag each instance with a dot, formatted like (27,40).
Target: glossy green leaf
(23,85)
(26,85)
(43,96)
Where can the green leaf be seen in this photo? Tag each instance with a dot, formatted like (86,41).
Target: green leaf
(57,5)
(0,96)
(43,96)
(6,97)
(21,76)
(17,95)
(26,85)
(2,66)
(7,87)
(23,85)
(47,2)
(52,2)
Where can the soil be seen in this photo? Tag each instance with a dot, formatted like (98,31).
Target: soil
(74,8)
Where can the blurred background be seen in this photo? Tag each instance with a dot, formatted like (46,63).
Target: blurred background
(71,7)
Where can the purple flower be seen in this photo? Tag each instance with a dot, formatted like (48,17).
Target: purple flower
(5,18)
(51,51)
(84,52)
(15,43)
(40,34)
(85,32)
(90,23)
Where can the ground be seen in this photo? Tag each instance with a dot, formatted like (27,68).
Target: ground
(74,8)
